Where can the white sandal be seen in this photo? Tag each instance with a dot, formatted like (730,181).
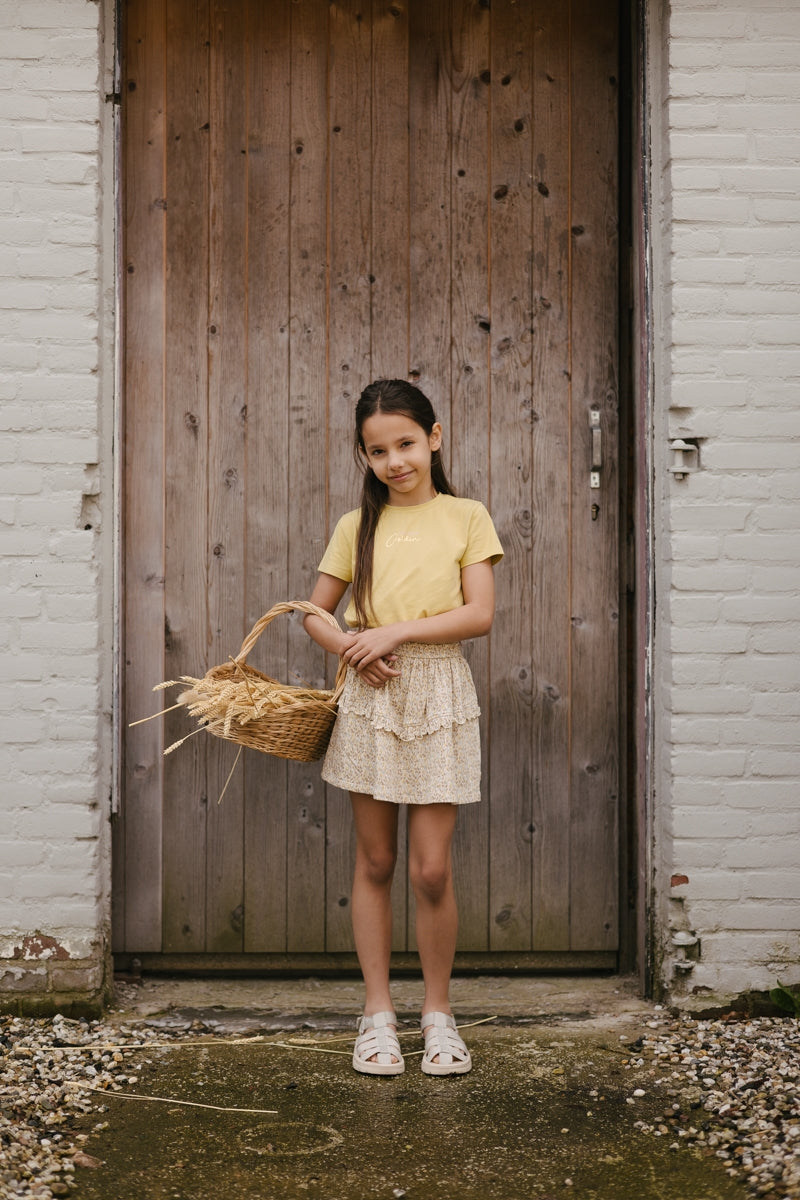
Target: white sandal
(376,1046)
(443,1041)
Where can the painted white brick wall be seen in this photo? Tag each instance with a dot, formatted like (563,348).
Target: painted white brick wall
(727,266)
(56,403)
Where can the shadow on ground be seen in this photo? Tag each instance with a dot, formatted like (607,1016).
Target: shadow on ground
(543,1114)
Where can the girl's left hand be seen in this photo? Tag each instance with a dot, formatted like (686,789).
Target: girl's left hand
(369,645)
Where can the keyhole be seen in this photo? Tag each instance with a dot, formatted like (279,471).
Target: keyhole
(595,511)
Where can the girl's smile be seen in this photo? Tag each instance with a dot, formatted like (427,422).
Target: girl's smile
(399,451)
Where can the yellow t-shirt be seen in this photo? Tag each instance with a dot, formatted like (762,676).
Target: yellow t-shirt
(419,552)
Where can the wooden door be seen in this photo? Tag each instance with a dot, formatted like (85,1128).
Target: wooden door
(315,195)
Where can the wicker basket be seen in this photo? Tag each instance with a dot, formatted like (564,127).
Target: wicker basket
(238,703)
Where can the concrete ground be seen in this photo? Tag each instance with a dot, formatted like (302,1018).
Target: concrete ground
(548,1110)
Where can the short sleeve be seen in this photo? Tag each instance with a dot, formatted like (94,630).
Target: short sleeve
(339,556)
(482,539)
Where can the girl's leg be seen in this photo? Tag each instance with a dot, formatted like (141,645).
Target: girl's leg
(376,855)
(430,836)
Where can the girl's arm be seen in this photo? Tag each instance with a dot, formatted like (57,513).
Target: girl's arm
(473,619)
(327,593)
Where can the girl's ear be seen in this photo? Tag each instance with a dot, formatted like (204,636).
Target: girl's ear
(435,438)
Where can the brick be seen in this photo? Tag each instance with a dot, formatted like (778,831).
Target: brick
(717,578)
(771,671)
(709,516)
(711,271)
(763,547)
(717,392)
(773,885)
(757,301)
(754,853)
(765,115)
(758,179)
(777,148)
(694,610)
(746,456)
(709,763)
(17,853)
(76,979)
(50,139)
(46,198)
(774,639)
(709,146)
(714,639)
(782,704)
(709,884)
(694,731)
(776,763)
(689,331)
(44,449)
(778,516)
(698,672)
(718,210)
(696,24)
(710,83)
(22,979)
(694,547)
(761,608)
(703,700)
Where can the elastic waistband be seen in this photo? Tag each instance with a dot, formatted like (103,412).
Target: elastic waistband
(423,650)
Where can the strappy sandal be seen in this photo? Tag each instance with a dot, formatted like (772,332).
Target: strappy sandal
(376,1046)
(443,1041)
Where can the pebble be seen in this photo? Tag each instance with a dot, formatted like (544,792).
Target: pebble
(734,1087)
(46,1069)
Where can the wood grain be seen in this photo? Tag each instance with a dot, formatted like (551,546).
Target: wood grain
(137,833)
(306,446)
(595,597)
(317,195)
(510,281)
(551,488)
(267,479)
(186,433)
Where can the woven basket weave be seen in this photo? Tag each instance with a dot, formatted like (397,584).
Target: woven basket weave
(236,702)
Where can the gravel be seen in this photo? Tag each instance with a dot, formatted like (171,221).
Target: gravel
(48,1069)
(732,1089)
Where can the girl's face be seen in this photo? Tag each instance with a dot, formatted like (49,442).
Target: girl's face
(399,451)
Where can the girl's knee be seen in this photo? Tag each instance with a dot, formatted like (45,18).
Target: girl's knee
(377,865)
(430,880)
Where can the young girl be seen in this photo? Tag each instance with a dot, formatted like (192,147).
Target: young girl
(420,562)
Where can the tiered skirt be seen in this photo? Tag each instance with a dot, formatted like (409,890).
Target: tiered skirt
(414,741)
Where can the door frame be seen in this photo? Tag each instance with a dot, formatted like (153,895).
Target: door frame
(636,505)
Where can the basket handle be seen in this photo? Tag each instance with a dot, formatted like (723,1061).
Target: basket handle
(304,606)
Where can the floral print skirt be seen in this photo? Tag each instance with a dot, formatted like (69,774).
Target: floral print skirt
(414,741)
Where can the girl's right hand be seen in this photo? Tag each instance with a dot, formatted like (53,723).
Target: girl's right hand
(378,673)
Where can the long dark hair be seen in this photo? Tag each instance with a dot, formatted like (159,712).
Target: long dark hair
(385,396)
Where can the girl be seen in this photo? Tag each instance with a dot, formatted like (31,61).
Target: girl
(420,562)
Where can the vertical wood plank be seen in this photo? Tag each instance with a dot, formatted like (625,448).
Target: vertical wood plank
(390,232)
(267,482)
(137,832)
(594,897)
(550,481)
(349,120)
(390,174)
(469,374)
(511,767)
(226,452)
(186,437)
(428,185)
(307,443)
